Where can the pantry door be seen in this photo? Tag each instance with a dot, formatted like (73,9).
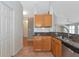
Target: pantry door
(6,31)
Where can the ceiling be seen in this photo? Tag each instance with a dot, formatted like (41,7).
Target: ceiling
(62,9)
(35,6)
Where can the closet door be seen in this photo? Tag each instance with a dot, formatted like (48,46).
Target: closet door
(3,30)
(0,47)
(11,33)
(6,33)
(0,29)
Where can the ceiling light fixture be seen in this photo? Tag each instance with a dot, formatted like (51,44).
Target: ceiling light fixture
(25,12)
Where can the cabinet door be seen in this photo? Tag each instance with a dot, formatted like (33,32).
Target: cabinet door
(38,21)
(46,43)
(47,21)
(37,44)
(53,46)
(58,49)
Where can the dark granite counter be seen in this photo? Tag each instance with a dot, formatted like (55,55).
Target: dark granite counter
(42,34)
(51,33)
(70,44)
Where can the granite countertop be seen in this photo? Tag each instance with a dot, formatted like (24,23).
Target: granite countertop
(69,41)
(43,34)
(70,44)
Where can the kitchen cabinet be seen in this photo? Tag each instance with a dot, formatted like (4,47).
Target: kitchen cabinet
(43,20)
(56,47)
(38,21)
(53,46)
(46,40)
(37,42)
(42,43)
(47,21)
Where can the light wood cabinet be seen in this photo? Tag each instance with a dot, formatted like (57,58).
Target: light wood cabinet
(46,40)
(53,46)
(56,47)
(37,43)
(58,50)
(43,20)
(42,43)
(47,21)
(38,21)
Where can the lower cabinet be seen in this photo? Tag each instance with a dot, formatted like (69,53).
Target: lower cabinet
(37,43)
(42,43)
(53,46)
(56,47)
(48,43)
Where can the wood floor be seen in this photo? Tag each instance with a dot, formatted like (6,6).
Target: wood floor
(28,52)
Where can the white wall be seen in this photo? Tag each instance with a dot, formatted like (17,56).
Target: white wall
(66,10)
(11,33)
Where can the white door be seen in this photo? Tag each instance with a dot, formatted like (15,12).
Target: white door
(6,32)
(11,32)
(0,30)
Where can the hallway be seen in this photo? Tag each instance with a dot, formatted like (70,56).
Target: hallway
(28,52)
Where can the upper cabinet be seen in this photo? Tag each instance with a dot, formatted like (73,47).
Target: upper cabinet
(44,20)
(38,21)
(47,21)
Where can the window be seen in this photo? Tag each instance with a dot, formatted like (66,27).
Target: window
(78,29)
(72,29)
(65,29)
